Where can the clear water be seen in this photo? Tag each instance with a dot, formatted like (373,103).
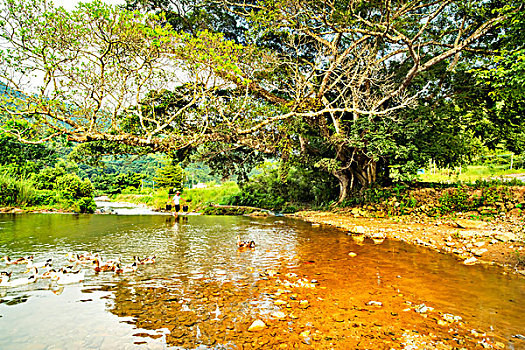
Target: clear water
(198,252)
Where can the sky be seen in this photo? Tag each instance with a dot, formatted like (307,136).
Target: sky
(70,4)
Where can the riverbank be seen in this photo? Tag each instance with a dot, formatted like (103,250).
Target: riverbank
(499,241)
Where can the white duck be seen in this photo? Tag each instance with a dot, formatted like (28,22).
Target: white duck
(69,278)
(39,265)
(130,268)
(7,282)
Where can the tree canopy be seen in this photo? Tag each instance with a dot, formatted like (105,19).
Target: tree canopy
(330,83)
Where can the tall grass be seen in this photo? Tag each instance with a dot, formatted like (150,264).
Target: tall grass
(199,197)
(196,198)
(16,192)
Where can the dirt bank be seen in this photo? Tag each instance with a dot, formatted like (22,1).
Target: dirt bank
(497,240)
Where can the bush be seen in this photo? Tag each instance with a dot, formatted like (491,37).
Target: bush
(73,187)
(278,190)
(44,197)
(85,205)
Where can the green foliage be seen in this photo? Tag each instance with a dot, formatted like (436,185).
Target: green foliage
(45,198)
(461,199)
(298,188)
(48,177)
(85,205)
(73,187)
(217,194)
(23,159)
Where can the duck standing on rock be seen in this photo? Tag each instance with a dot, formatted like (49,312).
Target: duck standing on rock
(244,244)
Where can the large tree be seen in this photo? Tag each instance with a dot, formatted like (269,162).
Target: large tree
(326,79)
(348,67)
(101,74)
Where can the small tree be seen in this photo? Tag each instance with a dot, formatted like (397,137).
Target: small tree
(170,176)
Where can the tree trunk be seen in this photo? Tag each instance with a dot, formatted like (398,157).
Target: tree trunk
(344,179)
(364,170)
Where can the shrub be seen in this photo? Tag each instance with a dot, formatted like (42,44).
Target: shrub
(275,189)
(85,205)
(44,197)
(73,187)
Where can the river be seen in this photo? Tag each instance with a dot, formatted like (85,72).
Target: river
(202,292)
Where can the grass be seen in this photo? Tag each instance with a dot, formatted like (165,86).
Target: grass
(468,174)
(15,192)
(196,198)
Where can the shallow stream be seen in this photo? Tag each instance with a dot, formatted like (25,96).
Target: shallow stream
(201,287)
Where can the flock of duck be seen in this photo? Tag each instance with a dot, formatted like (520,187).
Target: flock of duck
(74,272)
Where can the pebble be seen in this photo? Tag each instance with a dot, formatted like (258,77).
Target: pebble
(257,326)
(305,334)
(451,318)
(358,230)
(352,254)
(374,303)
(470,261)
(421,309)
(338,318)
(279,315)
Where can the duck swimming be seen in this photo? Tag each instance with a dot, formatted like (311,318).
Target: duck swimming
(244,244)
(127,268)
(105,267)
(31,264)
(69,278)
(139,261)
(21,260)
(7,282)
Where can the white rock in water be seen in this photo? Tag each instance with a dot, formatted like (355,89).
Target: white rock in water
(470,261)
(358,230)
(451,318)
(257,326)
(374,303)
(279,314)
(479,252)
(422,309)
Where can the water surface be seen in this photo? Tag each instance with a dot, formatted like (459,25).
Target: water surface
(196,256)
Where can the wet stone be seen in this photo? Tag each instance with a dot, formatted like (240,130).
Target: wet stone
(257,326)
(338,318)
(177,333)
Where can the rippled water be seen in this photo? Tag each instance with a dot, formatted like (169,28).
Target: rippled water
(198,252)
